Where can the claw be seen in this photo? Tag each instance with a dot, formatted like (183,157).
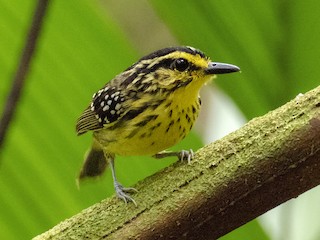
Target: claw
(123,193)
(186,155)
(182,155)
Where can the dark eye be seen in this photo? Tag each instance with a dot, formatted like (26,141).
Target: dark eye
(181,64)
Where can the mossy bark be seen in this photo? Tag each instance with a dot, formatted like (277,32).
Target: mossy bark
(268,161)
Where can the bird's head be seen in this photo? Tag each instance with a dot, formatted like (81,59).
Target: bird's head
(173,68)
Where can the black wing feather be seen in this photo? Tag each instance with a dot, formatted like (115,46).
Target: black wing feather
(106,107)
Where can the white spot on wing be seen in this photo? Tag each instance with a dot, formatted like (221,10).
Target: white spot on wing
(118,106)
(105,108)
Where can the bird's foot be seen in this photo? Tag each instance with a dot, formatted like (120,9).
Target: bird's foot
(123,193)
(186,155)
(182,155)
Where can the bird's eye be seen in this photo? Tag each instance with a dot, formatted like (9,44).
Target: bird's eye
(181,64)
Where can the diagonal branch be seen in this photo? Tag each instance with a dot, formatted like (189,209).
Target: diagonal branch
(268,161)
(22,69)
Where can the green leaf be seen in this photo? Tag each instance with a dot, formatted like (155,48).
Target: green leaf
(250,231)
(79,50)
(274,44)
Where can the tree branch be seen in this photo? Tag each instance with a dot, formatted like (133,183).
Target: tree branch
(268,161)
(22,69)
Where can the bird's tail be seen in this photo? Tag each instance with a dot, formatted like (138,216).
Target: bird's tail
(95,162)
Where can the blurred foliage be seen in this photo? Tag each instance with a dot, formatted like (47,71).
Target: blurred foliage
(275,43)
(250,231)
(81,47)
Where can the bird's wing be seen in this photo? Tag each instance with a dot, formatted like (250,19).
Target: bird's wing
(106,107)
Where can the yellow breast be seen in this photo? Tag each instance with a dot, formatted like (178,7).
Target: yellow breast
(155,130)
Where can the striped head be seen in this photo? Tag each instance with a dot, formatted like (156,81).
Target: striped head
(173,68)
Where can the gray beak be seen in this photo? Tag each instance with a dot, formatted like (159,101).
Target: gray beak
(220,68)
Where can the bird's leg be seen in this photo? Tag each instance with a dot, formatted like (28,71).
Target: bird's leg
(122,192)
(182,155)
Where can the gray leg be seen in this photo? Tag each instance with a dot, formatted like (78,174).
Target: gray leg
(122,192)
(182,155)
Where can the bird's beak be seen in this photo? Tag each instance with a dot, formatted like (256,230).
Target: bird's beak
(220,68)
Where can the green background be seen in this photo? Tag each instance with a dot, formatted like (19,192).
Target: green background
(86,43)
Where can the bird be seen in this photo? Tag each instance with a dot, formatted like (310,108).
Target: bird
(149,107)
